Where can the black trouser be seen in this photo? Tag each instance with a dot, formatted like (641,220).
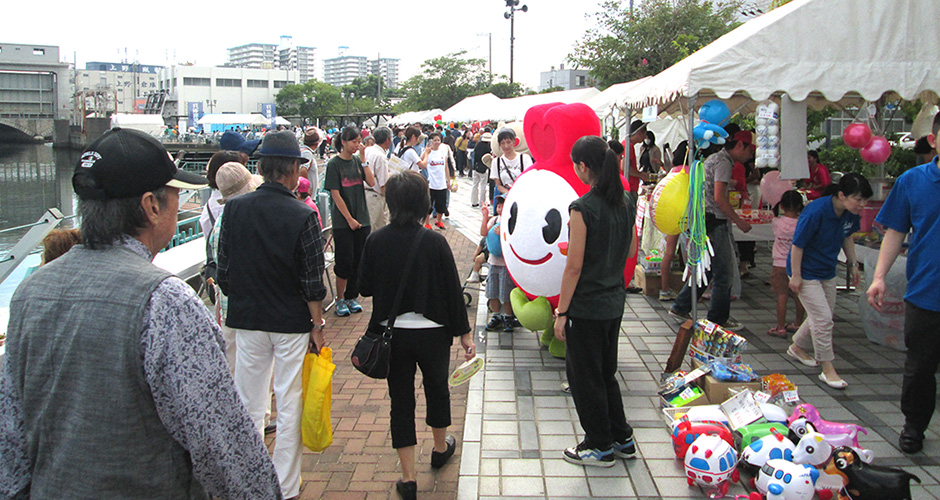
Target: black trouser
(347,246)
(919,389)
(591,363)
(746,251)
(429,349)
(461,161)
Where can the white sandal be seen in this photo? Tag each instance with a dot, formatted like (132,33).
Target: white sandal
(835,384)
(805,361)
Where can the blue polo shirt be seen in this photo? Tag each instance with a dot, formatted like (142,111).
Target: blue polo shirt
(914,205)
(820,233)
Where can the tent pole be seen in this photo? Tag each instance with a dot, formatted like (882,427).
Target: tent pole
(691,243)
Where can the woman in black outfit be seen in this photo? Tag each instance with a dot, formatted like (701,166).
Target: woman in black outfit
(432,312)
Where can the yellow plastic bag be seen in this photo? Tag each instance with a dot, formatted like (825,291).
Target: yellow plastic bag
(316,426)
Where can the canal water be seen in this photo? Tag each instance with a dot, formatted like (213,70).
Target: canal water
(33,178)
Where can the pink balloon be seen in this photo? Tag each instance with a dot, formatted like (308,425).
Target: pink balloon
(856,135)
(876,151)
(772,187)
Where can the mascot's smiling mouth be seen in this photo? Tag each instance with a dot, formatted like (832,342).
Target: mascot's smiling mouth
(531,262)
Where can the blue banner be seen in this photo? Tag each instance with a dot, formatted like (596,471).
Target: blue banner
(193,113)
(267,109)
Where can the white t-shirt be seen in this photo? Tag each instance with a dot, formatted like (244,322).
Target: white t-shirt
(506,170)
(437,169)
(375,155)
(411,158)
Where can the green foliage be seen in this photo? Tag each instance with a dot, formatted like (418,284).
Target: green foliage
(613,133)
(445,81)
(309,100)
(911,109)
(505,90)
(815,118)
(658,34)
(841,158)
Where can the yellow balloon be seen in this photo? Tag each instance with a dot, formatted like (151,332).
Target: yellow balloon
(669,202)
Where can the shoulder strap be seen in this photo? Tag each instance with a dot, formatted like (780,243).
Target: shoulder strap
(412,256)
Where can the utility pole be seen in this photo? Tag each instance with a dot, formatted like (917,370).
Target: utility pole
(511,15)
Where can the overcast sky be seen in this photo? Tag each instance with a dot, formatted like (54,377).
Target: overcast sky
(164,33)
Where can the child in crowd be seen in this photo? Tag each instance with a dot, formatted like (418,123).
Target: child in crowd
(303,194)
(480,255)
(345,174)
(498,282)
(791,204)
(509,165)
(825,226)
(58,242)
(434,160)
(590,305)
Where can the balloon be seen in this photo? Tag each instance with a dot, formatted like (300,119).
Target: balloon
(877,150)
(670,199)
(706,133)
(438,117)
(710,462)
(715,112)
(856,135)
(772,187)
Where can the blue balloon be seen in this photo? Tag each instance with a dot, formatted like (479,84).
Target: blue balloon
(706,133)
(715,112)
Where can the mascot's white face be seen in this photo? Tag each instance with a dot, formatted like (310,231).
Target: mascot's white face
(535,231)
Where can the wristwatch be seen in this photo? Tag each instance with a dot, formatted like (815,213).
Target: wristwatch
(560,314)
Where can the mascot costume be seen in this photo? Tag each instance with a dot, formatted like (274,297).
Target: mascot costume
(535,215)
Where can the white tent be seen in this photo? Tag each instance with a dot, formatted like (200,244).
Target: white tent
(515,109)
(605,102)
(817,51)
(473,108)
(410,117)
(234,119)
(149,124)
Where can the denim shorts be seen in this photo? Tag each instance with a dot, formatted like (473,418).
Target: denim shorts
(499,284)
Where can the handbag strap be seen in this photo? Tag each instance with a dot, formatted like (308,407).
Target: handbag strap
(412,256)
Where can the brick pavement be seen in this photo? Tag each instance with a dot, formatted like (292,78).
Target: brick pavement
(361,464)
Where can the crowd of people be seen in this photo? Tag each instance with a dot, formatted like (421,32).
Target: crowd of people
(189,390)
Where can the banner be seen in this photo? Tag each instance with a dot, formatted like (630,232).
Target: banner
(193,113)
(267,109)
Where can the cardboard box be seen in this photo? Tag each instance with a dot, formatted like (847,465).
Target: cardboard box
(649,280)
(718,392)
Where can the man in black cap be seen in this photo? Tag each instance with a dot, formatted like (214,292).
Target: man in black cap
(271,268)
(115,383)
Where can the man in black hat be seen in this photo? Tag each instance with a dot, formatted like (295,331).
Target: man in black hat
(115,383)
(271,268)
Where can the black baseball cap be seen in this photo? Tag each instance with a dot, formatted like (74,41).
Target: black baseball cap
(124,163)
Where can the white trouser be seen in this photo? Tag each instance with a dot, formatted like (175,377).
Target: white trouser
(479,194)
(819,300)
(256,351)
(378,210)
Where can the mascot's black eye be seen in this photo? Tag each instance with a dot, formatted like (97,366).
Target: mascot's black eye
(552,226)
(810,450)
(513,215)
(841,463)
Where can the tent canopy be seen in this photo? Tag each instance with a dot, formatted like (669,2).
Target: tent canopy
(818,51)
(605,101)
(150,124)
(234,119)
(473,108)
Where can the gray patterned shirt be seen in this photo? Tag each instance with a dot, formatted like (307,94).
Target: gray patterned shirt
(184,364)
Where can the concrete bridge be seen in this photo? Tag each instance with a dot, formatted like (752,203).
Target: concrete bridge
(26,129)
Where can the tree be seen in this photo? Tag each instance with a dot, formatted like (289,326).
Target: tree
(445,81)
(658,34)
(311,100)
(505,90)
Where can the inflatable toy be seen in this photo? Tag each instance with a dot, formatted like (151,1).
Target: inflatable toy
(783,480)
(710,462)
(771,447)
(687,432)
(810,413)
(861,481)
(748,434)
(814,449)
(705,413)
(492,241)
(670,201)
(856,135)
(801,428)
(713,116)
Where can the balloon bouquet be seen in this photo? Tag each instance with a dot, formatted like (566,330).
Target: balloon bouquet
(873,148)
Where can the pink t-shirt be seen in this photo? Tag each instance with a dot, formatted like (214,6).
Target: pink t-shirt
(783,238)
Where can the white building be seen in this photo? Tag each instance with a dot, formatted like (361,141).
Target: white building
(221,89)
(387,69)
(301,59)
(126,83)
(568,79)
(253,55)
(342,70)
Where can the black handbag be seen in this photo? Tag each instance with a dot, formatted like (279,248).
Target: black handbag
(374,349)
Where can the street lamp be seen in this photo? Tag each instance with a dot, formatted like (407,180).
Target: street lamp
(511,15)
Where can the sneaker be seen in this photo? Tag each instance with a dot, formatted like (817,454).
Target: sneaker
(626,449)
(438,459)
(583,455)
(439,224)
(496,322)
(353,306)
(911,441)
(634,289)
(732,325)
(681,317)
(513,321)
(475,205)
(427,226)
(474,277)
(341,308)
(666,295)
(507,326)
